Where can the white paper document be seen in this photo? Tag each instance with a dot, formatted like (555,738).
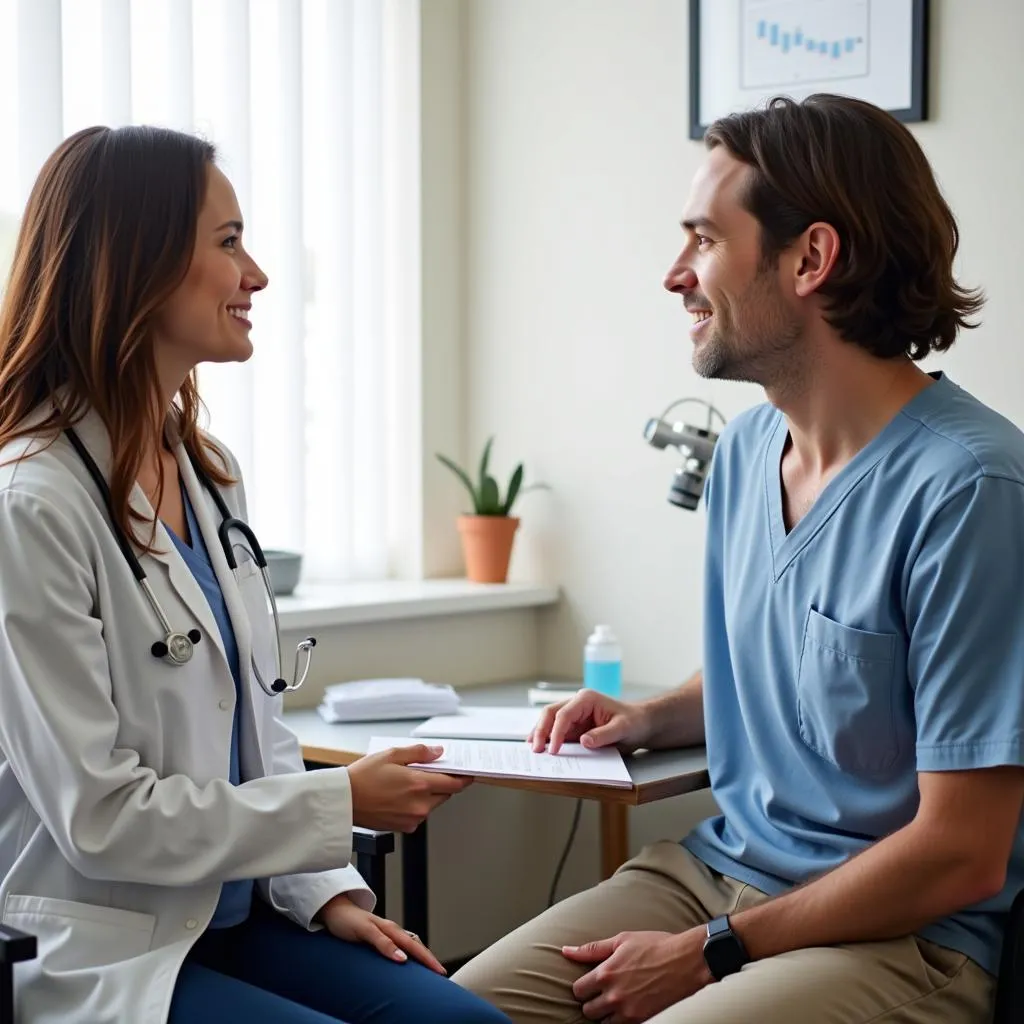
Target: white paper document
(481,723)
(376,700)
(497,759)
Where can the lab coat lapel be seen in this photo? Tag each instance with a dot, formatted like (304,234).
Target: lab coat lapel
(209,519)
(165,557)
(180,577)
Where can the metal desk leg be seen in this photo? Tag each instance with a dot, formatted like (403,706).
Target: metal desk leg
(614,837)
(414,882)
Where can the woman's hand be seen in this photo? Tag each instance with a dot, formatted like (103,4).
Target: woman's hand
(390,796)
(344,920)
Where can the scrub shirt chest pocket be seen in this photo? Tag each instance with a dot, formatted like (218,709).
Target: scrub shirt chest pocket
(846,700)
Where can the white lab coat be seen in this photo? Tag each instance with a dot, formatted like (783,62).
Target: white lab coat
(117,822)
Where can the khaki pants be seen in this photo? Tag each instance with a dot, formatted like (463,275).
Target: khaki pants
(904,981)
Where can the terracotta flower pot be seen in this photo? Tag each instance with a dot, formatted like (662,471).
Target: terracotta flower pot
(487,546)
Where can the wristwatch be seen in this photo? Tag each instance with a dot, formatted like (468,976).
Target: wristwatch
(723,952)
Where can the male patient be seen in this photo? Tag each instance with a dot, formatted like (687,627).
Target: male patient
(863,691)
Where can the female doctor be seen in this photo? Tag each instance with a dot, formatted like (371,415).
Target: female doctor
(157,831)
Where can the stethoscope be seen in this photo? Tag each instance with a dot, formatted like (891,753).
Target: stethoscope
(177,648)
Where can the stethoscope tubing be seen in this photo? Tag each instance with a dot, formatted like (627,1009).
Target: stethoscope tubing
(177,647)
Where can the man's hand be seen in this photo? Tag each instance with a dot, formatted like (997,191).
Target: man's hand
(639,974)
(344,920)
(390,796)
(593,719)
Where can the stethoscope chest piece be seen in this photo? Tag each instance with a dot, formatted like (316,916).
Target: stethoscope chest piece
(178,648)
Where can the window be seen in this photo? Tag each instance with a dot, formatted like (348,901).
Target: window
(313,106)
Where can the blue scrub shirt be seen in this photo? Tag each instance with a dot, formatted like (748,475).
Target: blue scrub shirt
(235,896)
(883,636)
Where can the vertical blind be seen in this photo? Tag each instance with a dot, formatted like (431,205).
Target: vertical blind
(313,106)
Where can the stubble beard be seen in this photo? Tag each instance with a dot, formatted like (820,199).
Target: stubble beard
(759,346)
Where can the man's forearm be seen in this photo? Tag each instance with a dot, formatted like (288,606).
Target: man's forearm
(892,889)
(677,718)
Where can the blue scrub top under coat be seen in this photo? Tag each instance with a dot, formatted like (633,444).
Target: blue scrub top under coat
(235,897)
(881,637)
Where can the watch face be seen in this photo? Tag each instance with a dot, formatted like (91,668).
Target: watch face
(723,955)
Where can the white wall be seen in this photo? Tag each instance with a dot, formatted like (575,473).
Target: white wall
(443,168)
(578,163)
(976,144)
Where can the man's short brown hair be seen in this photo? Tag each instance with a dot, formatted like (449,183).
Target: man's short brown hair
(850,164)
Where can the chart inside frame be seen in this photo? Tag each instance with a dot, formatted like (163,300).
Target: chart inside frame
(743,52)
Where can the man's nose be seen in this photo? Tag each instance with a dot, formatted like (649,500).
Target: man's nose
(680,278)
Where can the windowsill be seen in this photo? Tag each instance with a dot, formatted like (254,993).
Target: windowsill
(316,605)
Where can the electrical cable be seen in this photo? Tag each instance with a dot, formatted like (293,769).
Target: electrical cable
(565,852)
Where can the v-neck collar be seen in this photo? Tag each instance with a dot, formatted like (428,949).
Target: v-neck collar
(786,546)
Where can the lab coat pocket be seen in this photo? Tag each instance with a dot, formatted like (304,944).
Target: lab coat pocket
(845,695)
(71,936)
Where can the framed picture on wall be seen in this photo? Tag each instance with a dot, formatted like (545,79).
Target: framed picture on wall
(743,52)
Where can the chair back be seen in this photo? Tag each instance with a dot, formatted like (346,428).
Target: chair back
(1010,984)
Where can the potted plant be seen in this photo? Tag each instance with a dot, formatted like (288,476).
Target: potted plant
(488,532)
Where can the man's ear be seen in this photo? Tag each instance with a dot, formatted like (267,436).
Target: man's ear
(817,250)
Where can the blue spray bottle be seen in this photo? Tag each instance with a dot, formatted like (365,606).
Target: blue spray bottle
(602,662)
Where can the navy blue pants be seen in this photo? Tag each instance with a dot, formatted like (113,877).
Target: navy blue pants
(268,970)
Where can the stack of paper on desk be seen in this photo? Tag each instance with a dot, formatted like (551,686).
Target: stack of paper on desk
(372,700)
(497,759)
(481,723)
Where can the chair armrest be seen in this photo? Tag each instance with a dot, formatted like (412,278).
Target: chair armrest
(372,843)
(371,849)
(16,946)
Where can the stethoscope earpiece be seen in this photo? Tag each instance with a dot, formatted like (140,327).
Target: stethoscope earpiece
(279,686)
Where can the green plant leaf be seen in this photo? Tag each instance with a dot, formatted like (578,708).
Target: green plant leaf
(513,488)
(490,500)
(464,477)
(485,462)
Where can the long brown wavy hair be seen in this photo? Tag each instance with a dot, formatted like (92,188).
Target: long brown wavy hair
(846,162)
(107,236)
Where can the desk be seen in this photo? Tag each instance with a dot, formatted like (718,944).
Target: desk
(656,775)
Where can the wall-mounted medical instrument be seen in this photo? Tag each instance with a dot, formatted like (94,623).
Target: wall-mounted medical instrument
(697,444)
